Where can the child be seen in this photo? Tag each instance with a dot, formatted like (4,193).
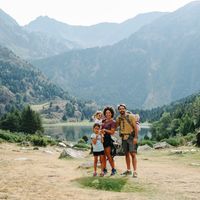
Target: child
(137,117)
(98,149)
(98,117)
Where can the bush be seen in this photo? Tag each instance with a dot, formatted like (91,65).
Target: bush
(11,137)
(189,137)
(82,146)
(85,138)
(81,141)
(38,140)
(173,141)
(148,142)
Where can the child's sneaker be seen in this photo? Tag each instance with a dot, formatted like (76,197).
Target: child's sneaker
(105,171)
(94,174)
(113,172)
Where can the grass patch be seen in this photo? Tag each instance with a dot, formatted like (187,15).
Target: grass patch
(110,184)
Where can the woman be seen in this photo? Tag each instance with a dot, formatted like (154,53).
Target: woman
(108,129)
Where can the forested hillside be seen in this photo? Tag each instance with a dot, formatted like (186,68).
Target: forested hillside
(155,66)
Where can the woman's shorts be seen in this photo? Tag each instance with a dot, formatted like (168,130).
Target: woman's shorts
(98,153)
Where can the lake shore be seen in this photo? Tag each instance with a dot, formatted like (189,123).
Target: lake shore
(84,123)
(39,174)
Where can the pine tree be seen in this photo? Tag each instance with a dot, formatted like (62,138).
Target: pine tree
(31,121)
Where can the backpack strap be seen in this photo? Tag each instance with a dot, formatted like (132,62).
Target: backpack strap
(129,122)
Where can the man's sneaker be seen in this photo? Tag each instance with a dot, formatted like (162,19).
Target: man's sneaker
(105,171)
(113,172)
(126,173)
(94,174)
(134,174)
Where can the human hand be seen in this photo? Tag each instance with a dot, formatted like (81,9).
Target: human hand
(135,140)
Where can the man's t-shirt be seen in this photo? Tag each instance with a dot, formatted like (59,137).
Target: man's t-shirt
(125,127)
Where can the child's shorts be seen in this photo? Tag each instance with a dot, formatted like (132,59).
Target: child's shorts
(98,153)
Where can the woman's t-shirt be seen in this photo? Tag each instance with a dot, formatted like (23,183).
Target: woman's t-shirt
(107,137)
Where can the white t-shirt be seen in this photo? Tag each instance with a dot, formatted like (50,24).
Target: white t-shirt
(98,121)
(98,147)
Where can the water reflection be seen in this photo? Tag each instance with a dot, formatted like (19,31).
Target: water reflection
(74,133)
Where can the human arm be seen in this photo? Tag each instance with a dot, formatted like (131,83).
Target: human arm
(135,139)
(94,138)
(110,128)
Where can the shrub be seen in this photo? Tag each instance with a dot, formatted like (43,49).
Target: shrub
(82,146)
(173,141)
(85,138)
(11,137)
(148,142)
(38,140)
(81,141)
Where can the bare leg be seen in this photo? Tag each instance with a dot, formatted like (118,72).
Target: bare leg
(110,159)
(95,163)
(127,157)
(134,161)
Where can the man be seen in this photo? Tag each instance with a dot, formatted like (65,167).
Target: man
(129,135)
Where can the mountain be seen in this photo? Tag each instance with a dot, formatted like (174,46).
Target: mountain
(156,65)
(90,36)
(21,83)
(30,45)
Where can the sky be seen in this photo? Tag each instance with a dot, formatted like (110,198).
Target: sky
(85,12)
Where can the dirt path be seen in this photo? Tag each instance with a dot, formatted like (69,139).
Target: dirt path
(40,175)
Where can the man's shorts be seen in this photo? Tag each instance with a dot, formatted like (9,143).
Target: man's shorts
(128,145)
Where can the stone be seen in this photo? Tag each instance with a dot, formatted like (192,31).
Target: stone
(71,153)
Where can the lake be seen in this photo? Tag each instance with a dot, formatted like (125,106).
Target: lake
(74,133)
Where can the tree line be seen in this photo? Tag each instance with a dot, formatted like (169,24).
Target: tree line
(26,121)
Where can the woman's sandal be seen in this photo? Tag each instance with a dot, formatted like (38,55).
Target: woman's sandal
(134,174)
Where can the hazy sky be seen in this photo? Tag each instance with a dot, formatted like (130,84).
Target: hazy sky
(85,12)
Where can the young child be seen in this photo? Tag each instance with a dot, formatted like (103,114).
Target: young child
(98,117)
(137,117)
(98,149)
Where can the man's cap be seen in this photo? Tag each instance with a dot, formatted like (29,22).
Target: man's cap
(122,104)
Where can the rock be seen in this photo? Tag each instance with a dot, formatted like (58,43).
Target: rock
(61,144)
(145,147)
(71,153)
(161,145)
(68,144)
(48,151)
(25,144)
(35,148)
(22,159)
(195,164)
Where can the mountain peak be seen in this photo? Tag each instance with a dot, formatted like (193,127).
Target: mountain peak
(7,19)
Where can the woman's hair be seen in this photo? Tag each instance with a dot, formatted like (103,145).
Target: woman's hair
(96,124)
(110,109)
